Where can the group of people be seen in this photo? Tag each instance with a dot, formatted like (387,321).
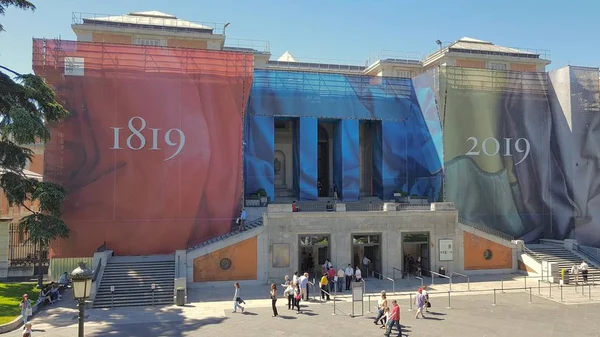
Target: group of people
(389,316)
(583,268)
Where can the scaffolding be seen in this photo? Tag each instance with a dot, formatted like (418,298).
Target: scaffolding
(500,81)
(89,59)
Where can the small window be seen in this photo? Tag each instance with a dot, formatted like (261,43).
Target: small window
(403,73)
(498,66)
(150,42)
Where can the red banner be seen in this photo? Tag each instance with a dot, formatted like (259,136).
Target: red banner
(152,153)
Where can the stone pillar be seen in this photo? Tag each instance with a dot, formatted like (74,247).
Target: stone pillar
(4,246)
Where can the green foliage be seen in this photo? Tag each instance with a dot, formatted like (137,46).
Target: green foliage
(27,105)
(10,297)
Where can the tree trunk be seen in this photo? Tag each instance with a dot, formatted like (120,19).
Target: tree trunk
(40,276)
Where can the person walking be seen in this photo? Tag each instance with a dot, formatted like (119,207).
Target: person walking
(26,310)
(381,306)
(323,283)
(331,279)
(304,283)
(274,299)
(426,294)
(575,272)
(237,299)
(420,302)
(366,262)
(584,271)
(289,293)
(297,297)
(340,280)
(349,272)
(394,319)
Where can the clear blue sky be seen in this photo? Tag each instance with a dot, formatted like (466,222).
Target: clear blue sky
(341,29)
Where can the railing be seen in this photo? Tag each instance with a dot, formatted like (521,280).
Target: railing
(420,278)
(411,58)
(462,275)
(255,45)
(383,277)
(22,252)
(553,242)
(412,207)
(214,238)
(363,207)
(591,253)
(97,270)
(440,275)
(486,229)
(532,254)
(490,49)
(155,22)
(394,269)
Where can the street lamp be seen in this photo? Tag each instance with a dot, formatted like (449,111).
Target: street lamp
(82,287)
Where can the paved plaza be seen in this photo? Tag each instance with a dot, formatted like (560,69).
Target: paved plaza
(471,313)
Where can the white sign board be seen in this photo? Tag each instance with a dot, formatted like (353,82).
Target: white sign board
(153,286)
(446,248)
(74,66)
(357,291)
(112,289)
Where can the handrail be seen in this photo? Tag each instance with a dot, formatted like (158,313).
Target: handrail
(486,229)
(440,275)
(420,278)
(531,253)
(387,278)
(586,254)
(234,229)
(97,270)
(394,272)
(462,275)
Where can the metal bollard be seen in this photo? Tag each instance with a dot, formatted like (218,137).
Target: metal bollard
(525,282)
(550,295)
(449,300)
(410,302)
(494,304)
(502,283)
(369,299)
(561,294)
(539,288)
(334,307)
(530,293)
(582,290)
(590,291)
(468,284)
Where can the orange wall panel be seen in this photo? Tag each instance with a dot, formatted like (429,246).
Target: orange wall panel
(111,38)
(243,256)
(470,63)
(37,163)
(475,254)
(179,43)
(523,67)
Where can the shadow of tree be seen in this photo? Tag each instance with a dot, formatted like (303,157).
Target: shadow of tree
(167,329)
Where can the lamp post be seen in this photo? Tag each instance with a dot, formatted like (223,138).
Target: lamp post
(82,287)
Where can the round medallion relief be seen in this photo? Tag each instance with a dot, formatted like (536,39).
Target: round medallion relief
(225,264)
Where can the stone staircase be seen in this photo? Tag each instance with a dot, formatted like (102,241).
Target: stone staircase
(565,259)
(132,277)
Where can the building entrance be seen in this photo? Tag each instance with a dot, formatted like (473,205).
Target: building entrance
(415,250)
(314,250)
(368,245)
(323,161)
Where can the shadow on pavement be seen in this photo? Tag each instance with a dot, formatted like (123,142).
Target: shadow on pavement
(166,329)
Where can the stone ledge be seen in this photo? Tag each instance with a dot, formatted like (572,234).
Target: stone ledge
(17,322)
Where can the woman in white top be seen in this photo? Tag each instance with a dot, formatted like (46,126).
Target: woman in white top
(237,299)
(357,274)
(381,306)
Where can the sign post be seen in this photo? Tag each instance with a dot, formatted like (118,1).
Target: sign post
(112,292)
(357,296)
(153,286)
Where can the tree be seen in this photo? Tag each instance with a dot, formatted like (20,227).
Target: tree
(27,105)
